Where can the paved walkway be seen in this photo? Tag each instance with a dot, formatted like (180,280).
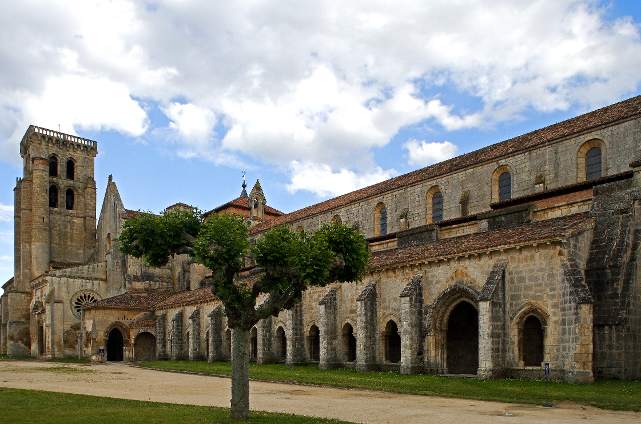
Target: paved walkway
(122,381)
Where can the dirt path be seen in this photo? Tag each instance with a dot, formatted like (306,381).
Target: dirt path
(122,381)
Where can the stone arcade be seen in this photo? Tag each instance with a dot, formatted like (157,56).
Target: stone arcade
(492,263)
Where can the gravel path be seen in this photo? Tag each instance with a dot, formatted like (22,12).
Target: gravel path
(122,381)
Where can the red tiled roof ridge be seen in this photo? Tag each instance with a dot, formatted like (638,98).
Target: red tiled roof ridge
(243,202)
(532,232)
(187,298)
(604,116)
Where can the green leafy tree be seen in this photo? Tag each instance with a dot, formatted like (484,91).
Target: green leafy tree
(288,261)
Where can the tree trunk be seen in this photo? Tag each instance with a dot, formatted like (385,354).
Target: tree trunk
(239,374)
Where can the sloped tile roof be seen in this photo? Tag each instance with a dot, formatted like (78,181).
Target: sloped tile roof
(186,298)
(242,202)
(551,229)
(133,299)
(619,111)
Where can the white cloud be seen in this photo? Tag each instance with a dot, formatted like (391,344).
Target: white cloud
(325,83)
(6,213)
(194,123)
(421,152)
(323,181)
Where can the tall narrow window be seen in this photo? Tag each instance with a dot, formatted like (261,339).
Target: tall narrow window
(593,164)
(53,166)
(380,220)
(437,207)
(71,169)
(505,186)
(464,202)
(53,196)
(69,199)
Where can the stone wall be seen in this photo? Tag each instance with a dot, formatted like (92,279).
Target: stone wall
(556,163)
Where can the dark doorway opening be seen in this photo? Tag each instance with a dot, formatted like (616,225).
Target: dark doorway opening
(392,342)
(253,345)
(115,345)
(41,340)
(349,343)
(145,347)
(463,339)
(207,345)
(313,341)
(532,342)
(281,344)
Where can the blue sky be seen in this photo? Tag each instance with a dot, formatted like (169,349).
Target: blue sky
(314,100)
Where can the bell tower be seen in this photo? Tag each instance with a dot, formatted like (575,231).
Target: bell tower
(55,215)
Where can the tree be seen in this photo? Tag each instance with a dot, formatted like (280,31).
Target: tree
(288,262)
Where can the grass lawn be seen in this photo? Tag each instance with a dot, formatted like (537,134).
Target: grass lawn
(64,360)
(32,406)
(606,394)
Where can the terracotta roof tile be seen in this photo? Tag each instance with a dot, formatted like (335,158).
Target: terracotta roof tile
(604,116)
(186,298)
(243,203)
(133,299)
(552,229)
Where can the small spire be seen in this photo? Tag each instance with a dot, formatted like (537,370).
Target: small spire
(243,193)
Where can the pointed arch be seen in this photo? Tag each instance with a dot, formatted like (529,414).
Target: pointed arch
(434,205)
(529,331)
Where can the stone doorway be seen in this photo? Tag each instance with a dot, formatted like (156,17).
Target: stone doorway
(115,344)
(145,347)
(41,340)
(349,343)
(463,339)
(313,341)
(281,344)
(532,342)
(392,343)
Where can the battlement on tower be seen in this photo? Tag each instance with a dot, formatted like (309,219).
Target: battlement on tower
(56,138)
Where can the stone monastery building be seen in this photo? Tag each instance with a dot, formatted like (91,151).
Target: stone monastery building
(493,263)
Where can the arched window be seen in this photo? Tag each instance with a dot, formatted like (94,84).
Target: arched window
(336,219)
(505,186)
(434,205)
(53,196)
(593,164)
(53,166)
(591,160)
(71,169)
(380,220)
(392,342)
(532,342)
(464,202)
(437,207)
(349,343)
(69,199)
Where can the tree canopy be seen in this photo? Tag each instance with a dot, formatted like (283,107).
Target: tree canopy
(288,261)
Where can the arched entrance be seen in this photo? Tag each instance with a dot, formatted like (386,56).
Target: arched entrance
(349,343)
(145,347)
(313,341)
(463,339)
(41,340)
(392,343)
(532,342)
(115,344)
(281,344)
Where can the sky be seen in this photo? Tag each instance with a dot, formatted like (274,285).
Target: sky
(314,99)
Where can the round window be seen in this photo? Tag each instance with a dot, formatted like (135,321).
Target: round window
(82,300)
